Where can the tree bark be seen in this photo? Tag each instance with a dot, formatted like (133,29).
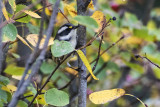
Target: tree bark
(81,32)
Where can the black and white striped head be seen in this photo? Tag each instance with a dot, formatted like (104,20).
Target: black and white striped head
(66,32)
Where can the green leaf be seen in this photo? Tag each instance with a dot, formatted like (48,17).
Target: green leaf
(143,33)
(56,97)
(130,20)
(4,80)
(135,67)
(14,70)
(87,21)
(47,67)
(126,56)
(150,48)
(3,96)
(22,104)
(60,48)
(25,19)
(13,4)
(9,32)
(113,66)
(52,1)
(33,29)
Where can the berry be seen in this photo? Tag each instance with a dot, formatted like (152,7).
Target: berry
(114,18)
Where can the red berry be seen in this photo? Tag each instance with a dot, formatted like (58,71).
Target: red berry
(115,7)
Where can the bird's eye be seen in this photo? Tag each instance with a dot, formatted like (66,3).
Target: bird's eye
(70,27)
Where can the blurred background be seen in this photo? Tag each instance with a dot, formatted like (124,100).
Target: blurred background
(137,20)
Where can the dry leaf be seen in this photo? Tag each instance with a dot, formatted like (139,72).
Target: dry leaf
(35,15)
(100,19)
(24,41)
(33,39)
(86,63)
(9,88)
(71,10)
(91,5)
(105,96)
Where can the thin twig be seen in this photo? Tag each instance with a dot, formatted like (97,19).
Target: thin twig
(23,85)
(34,54)
(97,59)
(68,82)
(138,56)
(64,15)
(113,44)
(11,20)
(48,79)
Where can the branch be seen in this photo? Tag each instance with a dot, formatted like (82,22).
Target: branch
(64,15)
(48,79)
(11,20)
(22,87)
(1,51)
(138,56)
(97,59)
(81,32)
(113,44)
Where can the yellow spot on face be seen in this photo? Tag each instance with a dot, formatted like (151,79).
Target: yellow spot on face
(70,26)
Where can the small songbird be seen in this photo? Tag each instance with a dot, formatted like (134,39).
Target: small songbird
(67,32)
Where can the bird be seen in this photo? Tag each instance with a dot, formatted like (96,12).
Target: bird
(67,32)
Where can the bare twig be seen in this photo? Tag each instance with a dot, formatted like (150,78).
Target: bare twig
(113,44)
(16,15)
(23,85)
(48,79)
(34,54)
(97,59)
(68,83)
(138,56)
(64,15)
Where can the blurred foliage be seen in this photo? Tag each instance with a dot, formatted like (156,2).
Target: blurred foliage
(117,67)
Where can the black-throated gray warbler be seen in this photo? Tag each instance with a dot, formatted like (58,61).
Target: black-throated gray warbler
(67,32)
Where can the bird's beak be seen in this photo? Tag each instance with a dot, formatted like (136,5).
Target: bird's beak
(75,27)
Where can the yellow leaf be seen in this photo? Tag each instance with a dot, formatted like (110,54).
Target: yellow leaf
(100,19)
(151,25)
(134,40)
(48,13)
(9,88)
(86,63)
(105,96)
(33,39)
(5,13)
(24,41)
(91,5)
(71,10)
(12,87)
(71,71)
(121,1)
(13,4)
(35,15)
(19,77)
(105,57)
